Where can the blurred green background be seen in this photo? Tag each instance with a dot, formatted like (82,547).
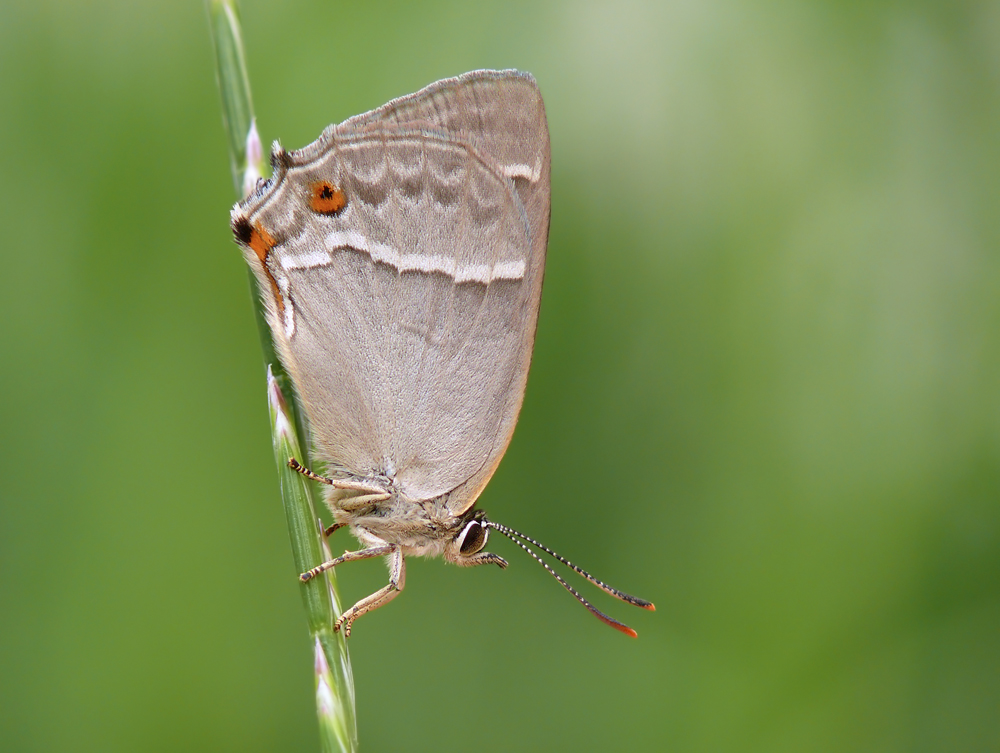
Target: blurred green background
(765,392)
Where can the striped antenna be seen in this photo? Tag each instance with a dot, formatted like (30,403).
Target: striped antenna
(520,538)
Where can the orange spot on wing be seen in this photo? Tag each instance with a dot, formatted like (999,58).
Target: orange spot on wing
(326,198)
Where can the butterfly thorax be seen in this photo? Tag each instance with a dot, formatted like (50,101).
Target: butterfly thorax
(425,528)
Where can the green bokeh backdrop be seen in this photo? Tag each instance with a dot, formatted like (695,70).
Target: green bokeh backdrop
(765,393)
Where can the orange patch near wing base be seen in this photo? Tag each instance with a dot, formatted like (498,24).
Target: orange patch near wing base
(261,241)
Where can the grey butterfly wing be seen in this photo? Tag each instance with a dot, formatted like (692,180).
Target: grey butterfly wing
(407,317)
(499,111)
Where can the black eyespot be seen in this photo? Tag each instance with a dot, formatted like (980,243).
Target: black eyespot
(242,229)
(473,538)
(326,198)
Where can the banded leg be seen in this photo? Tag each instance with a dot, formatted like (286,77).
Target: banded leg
(363,554)
(397,579)
(366,493)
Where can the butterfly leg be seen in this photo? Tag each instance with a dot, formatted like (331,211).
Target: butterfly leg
(363,554)
(397,578)
(364,494)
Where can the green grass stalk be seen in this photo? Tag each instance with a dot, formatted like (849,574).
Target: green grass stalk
(334,680)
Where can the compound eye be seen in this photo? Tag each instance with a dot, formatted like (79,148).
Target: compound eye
(473,538)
